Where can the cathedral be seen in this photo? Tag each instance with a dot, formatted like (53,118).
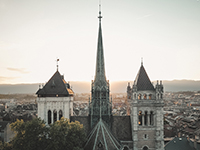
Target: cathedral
(141,130)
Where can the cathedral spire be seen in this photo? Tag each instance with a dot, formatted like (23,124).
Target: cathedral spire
(100,67)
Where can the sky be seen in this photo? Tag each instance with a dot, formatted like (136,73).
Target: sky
(34,33)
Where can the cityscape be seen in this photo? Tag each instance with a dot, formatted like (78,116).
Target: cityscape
(181,110)
(153,111)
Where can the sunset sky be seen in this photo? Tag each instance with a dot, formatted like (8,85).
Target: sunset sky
(34,33)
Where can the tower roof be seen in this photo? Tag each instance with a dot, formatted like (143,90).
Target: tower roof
(101,137)
(56,86)
(100,76)
(142,80)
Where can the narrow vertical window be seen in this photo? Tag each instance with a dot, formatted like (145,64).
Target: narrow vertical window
(60,114)
(145,118)
(54,116)
(140,118)
(139,96)
(49,117)
(145,96)
(151,118)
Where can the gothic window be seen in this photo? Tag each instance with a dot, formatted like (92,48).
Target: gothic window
(150,96)
(145,148)
(161,96)
(145,118)
(145,96)
(151,118)
(49,117)
(100,145)
(135,96)
(97,94)
(139,96)
(60,114)
(103,94)
(125,148)
(145,136)
(140,118)
(54,116)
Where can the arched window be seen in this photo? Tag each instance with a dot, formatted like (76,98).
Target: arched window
(145,118)
(145,96)
(150,96)
(54,116)
(140,118)
(161,96)
(60,114)
(139,96)
(145,148)
(49,117)
(151,118)
(135,96)
(125,148)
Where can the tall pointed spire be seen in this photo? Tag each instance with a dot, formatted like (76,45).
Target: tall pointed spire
(100,67)
(100,106)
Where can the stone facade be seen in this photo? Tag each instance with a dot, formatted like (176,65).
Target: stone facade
(146,108)
(58,106)
(55,99)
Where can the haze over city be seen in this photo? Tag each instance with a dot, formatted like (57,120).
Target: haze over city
(35,33)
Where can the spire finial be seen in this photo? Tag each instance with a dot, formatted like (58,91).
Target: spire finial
(99,11)
(57,63)
(142,61)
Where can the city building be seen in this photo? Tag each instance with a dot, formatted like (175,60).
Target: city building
(55,99)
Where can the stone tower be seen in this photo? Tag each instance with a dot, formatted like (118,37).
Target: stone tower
(100,91)
(146,104)
(55,99)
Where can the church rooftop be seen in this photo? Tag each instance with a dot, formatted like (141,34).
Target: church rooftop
(55,87)
(142,80)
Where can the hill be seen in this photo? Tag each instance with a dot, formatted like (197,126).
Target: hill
(116,86)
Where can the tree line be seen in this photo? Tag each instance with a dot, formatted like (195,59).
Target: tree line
(35,135)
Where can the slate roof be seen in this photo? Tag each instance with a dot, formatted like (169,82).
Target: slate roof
(3,125)
(56,86)
(142,80)
(181,144)
(101,138)
(121,128)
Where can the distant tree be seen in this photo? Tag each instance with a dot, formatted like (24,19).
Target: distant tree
(64,135)
(30,135)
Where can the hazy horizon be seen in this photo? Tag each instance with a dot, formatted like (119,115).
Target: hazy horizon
(115,86)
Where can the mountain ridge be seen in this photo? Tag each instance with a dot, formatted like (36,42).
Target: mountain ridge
(115,86)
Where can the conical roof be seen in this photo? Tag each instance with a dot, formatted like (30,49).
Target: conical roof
(56,86)
(101,138)
(142,80)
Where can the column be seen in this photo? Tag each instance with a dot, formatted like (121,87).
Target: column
(142,119)
(52,116)
(148,119)
(57,115)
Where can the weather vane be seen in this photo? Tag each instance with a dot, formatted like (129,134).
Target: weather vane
(57,63)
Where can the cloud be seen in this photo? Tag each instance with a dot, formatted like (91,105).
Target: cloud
(2,78)
(145,16)
(20,70)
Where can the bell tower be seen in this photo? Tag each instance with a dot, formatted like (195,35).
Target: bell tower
(146,103)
